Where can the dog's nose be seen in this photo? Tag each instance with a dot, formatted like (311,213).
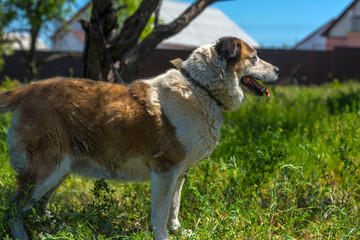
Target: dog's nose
(276,69)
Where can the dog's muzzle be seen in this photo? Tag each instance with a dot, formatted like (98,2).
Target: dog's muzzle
(253,87)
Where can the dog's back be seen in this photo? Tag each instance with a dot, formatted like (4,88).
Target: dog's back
(108,123)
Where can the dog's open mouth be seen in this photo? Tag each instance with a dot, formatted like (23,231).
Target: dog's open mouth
(254,87)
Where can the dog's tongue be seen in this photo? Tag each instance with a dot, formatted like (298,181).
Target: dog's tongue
(262,88)
(267,93)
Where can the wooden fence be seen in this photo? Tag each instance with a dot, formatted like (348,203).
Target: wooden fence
(296,67)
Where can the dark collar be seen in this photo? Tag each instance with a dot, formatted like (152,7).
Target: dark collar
(176,63)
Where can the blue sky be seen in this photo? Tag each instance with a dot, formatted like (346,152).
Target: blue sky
(277,23)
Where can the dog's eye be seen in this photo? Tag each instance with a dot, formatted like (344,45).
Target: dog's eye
(253,59)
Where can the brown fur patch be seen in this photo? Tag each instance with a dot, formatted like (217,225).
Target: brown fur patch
(246,50)
(229,48)
(235,52)
(98,121)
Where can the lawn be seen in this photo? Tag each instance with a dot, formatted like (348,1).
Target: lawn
(285,168)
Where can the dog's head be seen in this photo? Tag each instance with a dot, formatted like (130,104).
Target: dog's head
(242,59)
(228,68)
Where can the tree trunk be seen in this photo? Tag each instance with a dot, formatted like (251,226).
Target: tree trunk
(30,57)
(96,66)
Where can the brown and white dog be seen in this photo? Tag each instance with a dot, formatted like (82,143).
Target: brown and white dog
(153,129)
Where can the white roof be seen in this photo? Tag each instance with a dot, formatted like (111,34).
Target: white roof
(209,26)
(22,41)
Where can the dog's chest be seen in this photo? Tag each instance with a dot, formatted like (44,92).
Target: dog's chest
(199,133)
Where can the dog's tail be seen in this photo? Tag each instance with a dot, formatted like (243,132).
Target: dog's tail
(9,100)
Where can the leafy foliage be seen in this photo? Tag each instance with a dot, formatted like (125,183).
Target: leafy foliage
(287,168)
(34,17)
(131,7)
(37,13)
(5,44)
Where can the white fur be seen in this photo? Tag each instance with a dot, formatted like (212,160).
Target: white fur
(191,113)
(210,71)
(261,70)
(173,221)
(16,152)
(162,189)
(18,230)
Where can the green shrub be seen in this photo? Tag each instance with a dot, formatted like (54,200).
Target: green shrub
(8,84)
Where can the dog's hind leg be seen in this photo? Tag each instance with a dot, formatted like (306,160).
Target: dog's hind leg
(162,189)
(45,200)
(26,181)
(173,222)
(33,185)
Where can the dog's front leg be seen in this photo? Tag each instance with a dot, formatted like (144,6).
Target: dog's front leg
(162,189)
(173,222)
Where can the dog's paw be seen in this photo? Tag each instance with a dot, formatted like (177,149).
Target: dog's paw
(174,228)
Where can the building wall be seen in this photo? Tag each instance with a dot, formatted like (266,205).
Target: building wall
(343,26)
(333,42)
(316,42)
(353,39)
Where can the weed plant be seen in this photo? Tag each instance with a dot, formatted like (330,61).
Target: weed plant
(285,168)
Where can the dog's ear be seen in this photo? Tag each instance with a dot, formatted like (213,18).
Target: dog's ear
(229,48)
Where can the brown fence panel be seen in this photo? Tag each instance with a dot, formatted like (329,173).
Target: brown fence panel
(320,67)
(159,61)
(296,67)
(346,63)
(14,66)
(299,67)
(64,66)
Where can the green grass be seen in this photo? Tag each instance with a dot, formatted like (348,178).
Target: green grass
(285,168)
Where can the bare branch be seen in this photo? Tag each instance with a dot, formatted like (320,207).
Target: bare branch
(55,56)
(160,33)
(109,9)
(184,19)
(86,27)
(157,14)
(135,24)
(84,24)
(120,7)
